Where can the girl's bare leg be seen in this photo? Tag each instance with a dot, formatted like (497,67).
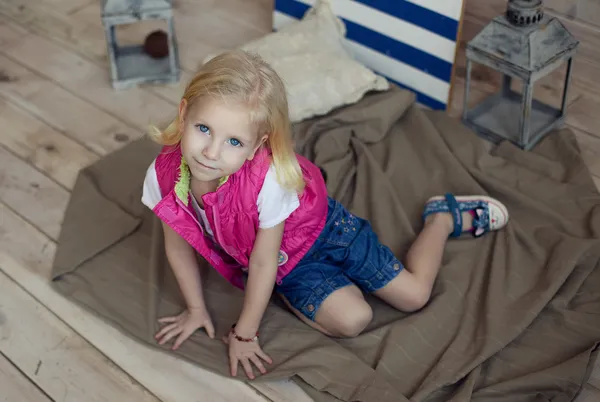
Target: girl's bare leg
(344,313)
(411,289)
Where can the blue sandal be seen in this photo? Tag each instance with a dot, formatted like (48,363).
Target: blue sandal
(488,213)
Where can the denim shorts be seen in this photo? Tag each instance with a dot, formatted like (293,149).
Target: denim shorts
(347,252)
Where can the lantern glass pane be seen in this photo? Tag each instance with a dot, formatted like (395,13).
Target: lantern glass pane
(131,57)
(507,114)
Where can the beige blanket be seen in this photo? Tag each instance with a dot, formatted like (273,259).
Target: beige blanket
(515,315)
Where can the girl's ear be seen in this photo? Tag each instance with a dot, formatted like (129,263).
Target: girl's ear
(182,109)
(257,146)
(262,141)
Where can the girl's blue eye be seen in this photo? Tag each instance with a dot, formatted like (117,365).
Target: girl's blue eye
(235,142)
(202,128)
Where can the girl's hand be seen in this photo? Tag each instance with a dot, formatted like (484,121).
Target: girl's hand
(244,353)
(184,325)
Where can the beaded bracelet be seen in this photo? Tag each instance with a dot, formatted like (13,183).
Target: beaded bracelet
(239,338)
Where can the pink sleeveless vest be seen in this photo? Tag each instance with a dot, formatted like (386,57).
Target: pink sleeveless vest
(233,215)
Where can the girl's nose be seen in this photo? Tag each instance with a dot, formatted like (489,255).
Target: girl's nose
(212,151)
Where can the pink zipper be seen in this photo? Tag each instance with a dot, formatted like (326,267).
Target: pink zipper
(217,228)
(182,205)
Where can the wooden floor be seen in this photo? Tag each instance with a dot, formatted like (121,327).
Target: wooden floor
(59,114)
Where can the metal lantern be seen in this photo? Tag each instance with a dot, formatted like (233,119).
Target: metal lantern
(134,65)
(528,45)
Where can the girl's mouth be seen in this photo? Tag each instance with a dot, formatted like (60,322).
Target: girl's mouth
(204,166)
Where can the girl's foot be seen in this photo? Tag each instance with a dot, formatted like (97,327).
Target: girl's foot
(475,214)
(445,219)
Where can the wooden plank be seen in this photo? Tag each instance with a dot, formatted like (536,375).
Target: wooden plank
(15,385)
(589,12)
(231,24)
(222,20)
(86,80)
(457,50)
(51,354)
(566,8)
(584,114)
(83,34)
(83,31)
(169,378)
(63,111)
(53,24)
(256,15)
(64,6)
(7,36)
(41,146)
(31,194)
(590,149)
(85,38)
(480,89)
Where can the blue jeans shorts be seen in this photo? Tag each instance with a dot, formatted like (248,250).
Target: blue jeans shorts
(347,252)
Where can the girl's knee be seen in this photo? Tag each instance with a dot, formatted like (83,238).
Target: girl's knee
(417,299)
(344,313)
(354,321)
(406,292)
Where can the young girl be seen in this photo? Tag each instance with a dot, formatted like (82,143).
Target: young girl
(229,186)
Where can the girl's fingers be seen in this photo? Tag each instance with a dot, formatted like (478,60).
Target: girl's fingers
(210,329)
(169,335)
(264,356)
(164,330)
(233,362)
(258,364)
(168,319)
(247,367)
(182,337)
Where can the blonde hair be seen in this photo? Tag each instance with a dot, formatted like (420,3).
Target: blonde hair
(246,78)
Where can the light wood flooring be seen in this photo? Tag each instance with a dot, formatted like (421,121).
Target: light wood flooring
(59,114)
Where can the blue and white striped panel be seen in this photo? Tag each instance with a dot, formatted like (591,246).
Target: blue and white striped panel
(410,42)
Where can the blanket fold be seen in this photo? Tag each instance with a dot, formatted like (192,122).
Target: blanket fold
(514,315)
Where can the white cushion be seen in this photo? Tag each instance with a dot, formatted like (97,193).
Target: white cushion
(319,74)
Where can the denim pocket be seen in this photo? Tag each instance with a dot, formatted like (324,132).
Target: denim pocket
(342,227)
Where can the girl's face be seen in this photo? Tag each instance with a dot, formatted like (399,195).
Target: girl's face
(218,137)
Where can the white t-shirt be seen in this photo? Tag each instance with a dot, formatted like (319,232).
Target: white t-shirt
(275,204)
